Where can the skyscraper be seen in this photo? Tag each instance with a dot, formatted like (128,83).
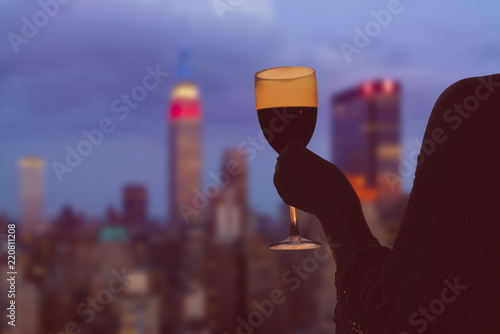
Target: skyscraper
(32,219)
(231,207)
(184,117)
(134,204)
(366,137)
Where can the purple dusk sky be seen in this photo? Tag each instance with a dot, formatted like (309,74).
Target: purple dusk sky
(64,77)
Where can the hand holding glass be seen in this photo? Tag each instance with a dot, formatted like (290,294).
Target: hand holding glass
(287,102)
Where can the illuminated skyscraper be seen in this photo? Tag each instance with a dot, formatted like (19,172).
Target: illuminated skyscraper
(366,141)
(32,219)
(134,205)
(184,116)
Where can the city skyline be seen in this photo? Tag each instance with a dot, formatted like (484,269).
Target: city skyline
(88,74)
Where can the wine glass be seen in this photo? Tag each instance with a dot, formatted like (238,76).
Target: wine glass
(287,102)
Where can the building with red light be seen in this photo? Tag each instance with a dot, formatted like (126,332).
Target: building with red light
(367,139)
(184,118)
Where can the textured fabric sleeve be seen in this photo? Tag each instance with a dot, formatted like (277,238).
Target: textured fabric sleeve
(448,237)
(358,290)
(449,233)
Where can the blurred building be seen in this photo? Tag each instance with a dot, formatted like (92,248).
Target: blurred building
(367,147)
(366,137)
(111,253)
(32,219)
(188,302)
(139,314)
(112,216)
(28,308)
(263,274)
(224,265)
(135,202)
(231,206)
(139,308)
(184,116)
(66,224)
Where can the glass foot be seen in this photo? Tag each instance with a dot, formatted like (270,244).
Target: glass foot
(295,243)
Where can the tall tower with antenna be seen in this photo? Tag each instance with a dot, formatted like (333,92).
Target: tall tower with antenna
(184,119)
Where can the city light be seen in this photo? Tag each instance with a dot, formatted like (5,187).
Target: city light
(367,88)
(388,86)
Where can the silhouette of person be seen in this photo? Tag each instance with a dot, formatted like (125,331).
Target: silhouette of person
(443,273)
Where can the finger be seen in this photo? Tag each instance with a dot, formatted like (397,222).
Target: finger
(291,196)
(291,152)
(279,179)
(287,194)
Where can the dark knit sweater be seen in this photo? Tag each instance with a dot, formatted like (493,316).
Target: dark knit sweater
(443,274)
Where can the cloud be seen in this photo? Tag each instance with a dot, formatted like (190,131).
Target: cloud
(259,8)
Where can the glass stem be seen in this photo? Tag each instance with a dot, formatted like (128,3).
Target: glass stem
(294,228)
